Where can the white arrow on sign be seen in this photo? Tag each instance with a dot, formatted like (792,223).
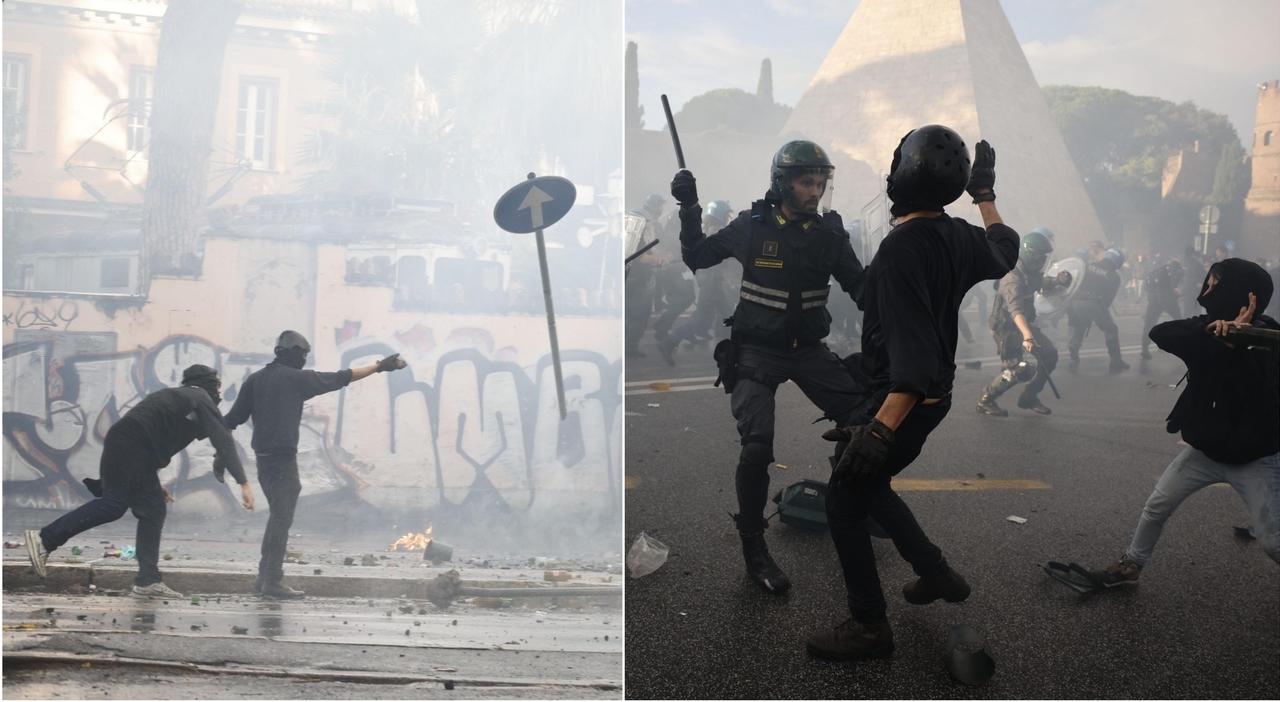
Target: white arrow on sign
(533,202)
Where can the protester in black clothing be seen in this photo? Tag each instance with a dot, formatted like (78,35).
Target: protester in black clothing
(1227,415)
(1092,305)
(1162,298)
(914,289)
(133,452)
(789,253)
(273,398)
(1194,266)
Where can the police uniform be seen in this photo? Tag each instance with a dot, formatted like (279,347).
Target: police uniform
(1016,295)
(1162,298)
(1092,305)
(778,325)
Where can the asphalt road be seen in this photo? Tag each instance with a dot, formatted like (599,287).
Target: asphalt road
(1204,623)
(239,647)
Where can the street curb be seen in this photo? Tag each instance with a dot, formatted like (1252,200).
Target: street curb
(76,579)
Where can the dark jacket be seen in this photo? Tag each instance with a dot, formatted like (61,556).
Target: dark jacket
(273,397)
(1230,409)
(787,267)
(1015,294)
(167,420)
(1100,283)
(914,289)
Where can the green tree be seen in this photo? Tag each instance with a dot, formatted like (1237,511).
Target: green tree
(734,110)
(1121,142)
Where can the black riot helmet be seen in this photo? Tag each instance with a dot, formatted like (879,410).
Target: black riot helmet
(796,159)
(292,349)
(930,170)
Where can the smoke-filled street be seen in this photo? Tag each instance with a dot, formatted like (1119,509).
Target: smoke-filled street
(1203,623)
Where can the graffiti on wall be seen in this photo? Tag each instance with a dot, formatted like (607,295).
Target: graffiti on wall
(481,427)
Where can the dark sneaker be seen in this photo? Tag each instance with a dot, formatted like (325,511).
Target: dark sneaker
(947,585)
(989,407)
(1034,404)
(280,591)
(667,348)
(760,566)
(157,591)
(1122,572)
(852,640)
(36,552)
(1119,366)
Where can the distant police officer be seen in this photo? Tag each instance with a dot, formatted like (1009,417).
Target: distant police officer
(789,249)
(714,302)
(913,290)
(641,279)
(1015,335)
(1162,298)
(1092,305)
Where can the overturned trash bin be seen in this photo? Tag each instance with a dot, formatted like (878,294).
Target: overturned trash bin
(437,552)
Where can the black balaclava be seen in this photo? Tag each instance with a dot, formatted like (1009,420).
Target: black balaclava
(205,378)
(293,357)
(1236,279)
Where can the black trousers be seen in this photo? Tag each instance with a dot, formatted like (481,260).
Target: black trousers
(127,483)
(679,297)
(278,476)
(1155,307)
(1082,314)
(820,376)
(847,512)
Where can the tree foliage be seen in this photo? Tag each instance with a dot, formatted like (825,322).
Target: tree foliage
(1121,142)
(733,110)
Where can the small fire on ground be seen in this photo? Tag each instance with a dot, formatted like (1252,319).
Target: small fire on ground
(412,541)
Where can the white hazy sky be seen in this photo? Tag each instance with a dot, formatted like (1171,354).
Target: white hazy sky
(1212,52)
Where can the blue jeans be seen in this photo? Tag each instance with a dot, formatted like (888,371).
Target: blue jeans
(127,483)
(1258,484)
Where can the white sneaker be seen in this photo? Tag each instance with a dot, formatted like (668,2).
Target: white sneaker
(35,550)
(157,591)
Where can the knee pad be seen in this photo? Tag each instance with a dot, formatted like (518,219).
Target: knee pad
(756,453)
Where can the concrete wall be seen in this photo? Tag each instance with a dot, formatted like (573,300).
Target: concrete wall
(473,418)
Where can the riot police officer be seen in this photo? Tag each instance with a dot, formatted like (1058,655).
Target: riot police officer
(1162,298)
(1016,336)
(1092,305)
(641,279)
(790,248)
(714,302)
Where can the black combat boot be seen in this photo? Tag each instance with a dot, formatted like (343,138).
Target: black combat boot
(946,585)
(1033,403)
(987,405)
(853,640)
(760,566)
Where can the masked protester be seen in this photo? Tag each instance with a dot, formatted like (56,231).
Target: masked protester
(1026,354)
(790,248)
(133,452)
(1092,305)
(1162,298)
(913,291)
(1228,414)
(273,397)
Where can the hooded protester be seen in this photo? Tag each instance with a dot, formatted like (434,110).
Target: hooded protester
(1227,414)
(273,398)
(133,452)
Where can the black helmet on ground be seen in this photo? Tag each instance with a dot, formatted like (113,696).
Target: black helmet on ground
(930,170)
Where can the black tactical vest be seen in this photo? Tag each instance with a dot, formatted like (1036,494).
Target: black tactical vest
(786,278)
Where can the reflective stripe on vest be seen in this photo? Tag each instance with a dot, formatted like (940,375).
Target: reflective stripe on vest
(816,298)
(762,301)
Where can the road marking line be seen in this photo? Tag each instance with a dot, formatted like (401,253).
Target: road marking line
(921,485)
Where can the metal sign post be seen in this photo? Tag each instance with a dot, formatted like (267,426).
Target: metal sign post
(532,206)
(1208,224)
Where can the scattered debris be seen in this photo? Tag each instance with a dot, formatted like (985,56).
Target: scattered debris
(368,560)
(1016,519)
(76,550)
(316,571)
(13,544)
(240,630)
(973,365)
(557,576)
(647,554)
(654,404)
(168,556)
(493,602)
(659,386)
(348,561)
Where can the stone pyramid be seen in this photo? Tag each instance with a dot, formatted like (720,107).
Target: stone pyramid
(901,64)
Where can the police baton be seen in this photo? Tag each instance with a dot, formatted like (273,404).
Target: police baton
(641,252)
(1047,377)
(675,137)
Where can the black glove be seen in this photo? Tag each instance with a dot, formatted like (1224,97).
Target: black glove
(391,363)
(219,469)
(983,175)
(864,458)
(94,485)
(684,188)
